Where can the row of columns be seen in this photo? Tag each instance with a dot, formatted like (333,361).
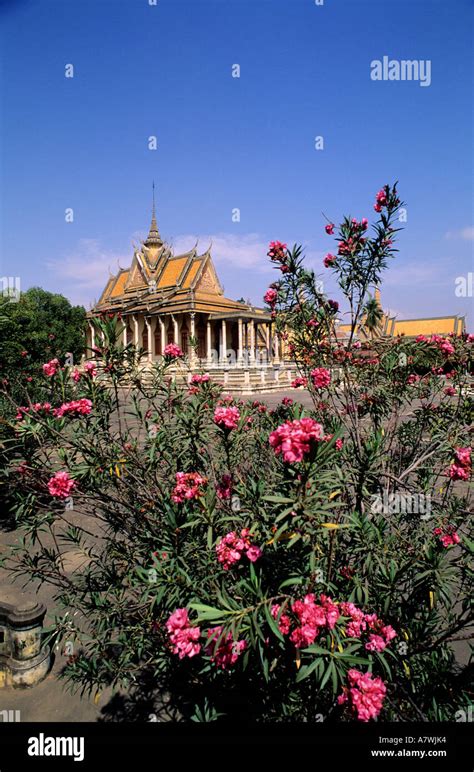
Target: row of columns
(247,339)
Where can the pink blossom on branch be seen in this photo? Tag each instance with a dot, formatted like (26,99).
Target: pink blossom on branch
(227,417)
(50,368)
(232,546)
(364,694)
(189,485)
(321,377)
(60,485)
(172,351)
(183,635)
(223,650)
(294,439)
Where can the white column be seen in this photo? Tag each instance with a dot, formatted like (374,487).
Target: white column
(224,342)
(209,343)
(176,331)
(92,331)
(124,334)
(276,342)
(135,331)
(149,338)
(163,335)
(240,353)
(268,340)
(252,341)
(192,356)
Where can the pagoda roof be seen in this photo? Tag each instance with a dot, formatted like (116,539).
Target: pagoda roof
(158,281)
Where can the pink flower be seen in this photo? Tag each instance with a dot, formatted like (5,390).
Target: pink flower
(381,197)
(182,634)
(230,548)
(76,407)
(338,444)
(413,379)
(458,472)
(376,643)
(224,488)
(60,485)
(294,439)
(188,486)
(270,296)
(91,369)
(329,260)
(51,368)
(448,537)
(450,391)
(227,417)
(277,251)
(284,623)
(329,229)
(364,695)
(172,351)
(463,456)
(223,650)
(320,377)
(312,618)
(196,378)
(75,375)
(299,382)
(254,553)
(460,469)
(287,401)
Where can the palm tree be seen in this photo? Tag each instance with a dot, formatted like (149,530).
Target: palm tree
(373,316)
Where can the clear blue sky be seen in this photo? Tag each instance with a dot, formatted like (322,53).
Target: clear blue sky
(226,143)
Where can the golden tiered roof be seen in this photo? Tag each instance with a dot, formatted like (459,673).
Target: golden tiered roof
(160,282)
(392,327)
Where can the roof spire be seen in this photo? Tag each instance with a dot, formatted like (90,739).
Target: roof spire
(154,238)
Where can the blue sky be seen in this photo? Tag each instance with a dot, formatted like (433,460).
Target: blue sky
(224,143)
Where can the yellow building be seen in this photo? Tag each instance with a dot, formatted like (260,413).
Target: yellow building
(391,327)
(166,298)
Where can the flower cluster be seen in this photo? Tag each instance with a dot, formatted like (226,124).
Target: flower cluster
(60,485)
(188,486)
(172,351)
(379,634)
(329,260)
(460,469)
(381,200)
(300,381)
(277,251)
(364,695)
(270,296)
(227,417)
(37,407)
(309,619)
(231,546)
(294,439)
(198,379)
(76,407)
(443,344)
(51,368)
(182,634)
(447,536)
(223,650)
(320,377)
(329,228)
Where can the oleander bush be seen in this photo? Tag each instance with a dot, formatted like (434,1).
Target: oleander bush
(266,565)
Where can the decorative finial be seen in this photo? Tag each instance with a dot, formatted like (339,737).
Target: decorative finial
(154,238)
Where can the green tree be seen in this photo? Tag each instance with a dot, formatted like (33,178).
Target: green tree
(41,326)
(373,315)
